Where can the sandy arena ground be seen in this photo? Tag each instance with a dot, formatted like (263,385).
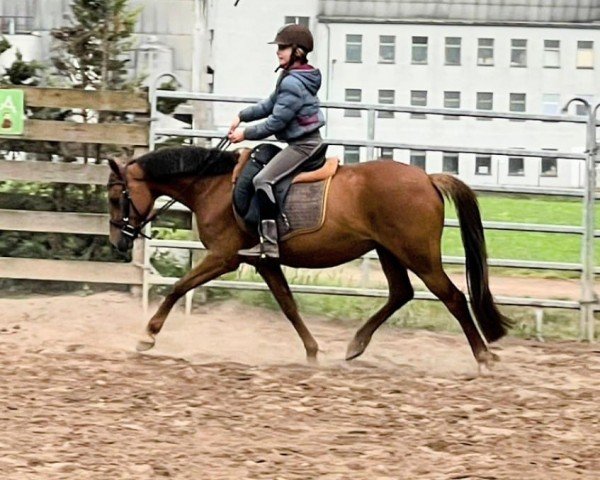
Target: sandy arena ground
(226,395)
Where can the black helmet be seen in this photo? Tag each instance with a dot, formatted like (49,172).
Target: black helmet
(294,34)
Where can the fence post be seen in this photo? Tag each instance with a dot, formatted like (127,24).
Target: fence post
(588,297)
(371,133)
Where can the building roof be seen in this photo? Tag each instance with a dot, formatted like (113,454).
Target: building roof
(479,11)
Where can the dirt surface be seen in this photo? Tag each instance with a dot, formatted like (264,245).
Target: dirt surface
(226,395)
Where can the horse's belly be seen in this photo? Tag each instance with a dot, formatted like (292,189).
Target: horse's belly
(322,255)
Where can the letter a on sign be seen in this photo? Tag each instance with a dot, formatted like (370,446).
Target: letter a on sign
(11,112)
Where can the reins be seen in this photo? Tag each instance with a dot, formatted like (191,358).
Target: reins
(132,231)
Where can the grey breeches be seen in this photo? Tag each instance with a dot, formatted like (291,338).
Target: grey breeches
(285,162)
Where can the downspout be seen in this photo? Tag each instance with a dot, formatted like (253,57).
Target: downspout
(329,74)
(197,47)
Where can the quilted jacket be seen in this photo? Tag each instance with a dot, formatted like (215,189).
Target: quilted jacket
(291,111)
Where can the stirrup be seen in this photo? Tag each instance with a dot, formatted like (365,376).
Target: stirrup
(263,250)
(255,251)
(269,250)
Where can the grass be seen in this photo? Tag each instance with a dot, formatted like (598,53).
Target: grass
(535,246)
(422,315)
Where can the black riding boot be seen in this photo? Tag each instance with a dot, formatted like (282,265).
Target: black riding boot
(267,231)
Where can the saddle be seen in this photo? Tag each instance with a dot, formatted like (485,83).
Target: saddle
(301,196)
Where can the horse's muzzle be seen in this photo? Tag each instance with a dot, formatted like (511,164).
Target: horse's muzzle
(124,244)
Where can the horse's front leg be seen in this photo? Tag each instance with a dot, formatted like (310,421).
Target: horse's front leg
(210,268)
(275,279)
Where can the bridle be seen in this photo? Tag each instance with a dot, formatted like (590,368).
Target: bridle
(127,205)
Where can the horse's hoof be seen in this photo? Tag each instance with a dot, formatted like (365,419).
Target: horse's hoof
(312,360)
(356,349)
(487,359)
(146,343)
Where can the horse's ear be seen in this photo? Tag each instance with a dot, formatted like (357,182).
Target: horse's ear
(114,166)
(242,154)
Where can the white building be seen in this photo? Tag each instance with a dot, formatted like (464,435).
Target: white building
(503,55)
(164,33)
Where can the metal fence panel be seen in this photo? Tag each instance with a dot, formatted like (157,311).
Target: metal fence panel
(588,303)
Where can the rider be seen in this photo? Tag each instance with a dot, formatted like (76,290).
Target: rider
(293,115)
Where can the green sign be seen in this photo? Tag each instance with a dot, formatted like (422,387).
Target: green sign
(11,112)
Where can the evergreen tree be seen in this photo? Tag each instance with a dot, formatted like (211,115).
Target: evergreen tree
(90,53)
(93,51)
(20,72)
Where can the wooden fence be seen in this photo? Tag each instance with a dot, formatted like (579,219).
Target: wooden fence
(135,135)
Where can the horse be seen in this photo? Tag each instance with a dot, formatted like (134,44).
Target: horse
(382,205)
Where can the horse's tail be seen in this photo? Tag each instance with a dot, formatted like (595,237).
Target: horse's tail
(491,322)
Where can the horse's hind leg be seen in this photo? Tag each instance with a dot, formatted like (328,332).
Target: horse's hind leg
(401,292)
(442,287)
(275,279)
(211,267)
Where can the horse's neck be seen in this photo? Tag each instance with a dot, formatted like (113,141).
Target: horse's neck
(207,197)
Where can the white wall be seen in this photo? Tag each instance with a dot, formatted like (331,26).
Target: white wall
(244,66)
(468,78)
(244,62)
(29,45)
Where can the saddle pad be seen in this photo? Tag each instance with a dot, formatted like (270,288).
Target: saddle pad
(304,209)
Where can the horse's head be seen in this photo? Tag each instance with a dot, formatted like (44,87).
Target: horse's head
(129,204)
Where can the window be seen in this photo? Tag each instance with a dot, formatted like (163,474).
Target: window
(551,53)
(549,165)
(418,159)
(386,153)
(298,20)
(418,98)
(551,104)
(353,48)
(387,49)
(517,102)
(16,24)
(483,165)
(451,100)
(353,95)
(450,163)
(485,101)
(351,155)
(516,166)
(585,54)
(453,50)
(518,53)
(386,97)
(485,52)
(419,50)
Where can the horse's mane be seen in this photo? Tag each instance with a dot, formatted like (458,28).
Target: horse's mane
(172,161)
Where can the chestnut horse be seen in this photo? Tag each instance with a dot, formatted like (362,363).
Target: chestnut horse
(394,208)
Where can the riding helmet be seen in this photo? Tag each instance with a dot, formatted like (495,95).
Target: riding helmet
(294,34)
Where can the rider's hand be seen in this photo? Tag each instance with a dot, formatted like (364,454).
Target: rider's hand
(236,135)
(234,124)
